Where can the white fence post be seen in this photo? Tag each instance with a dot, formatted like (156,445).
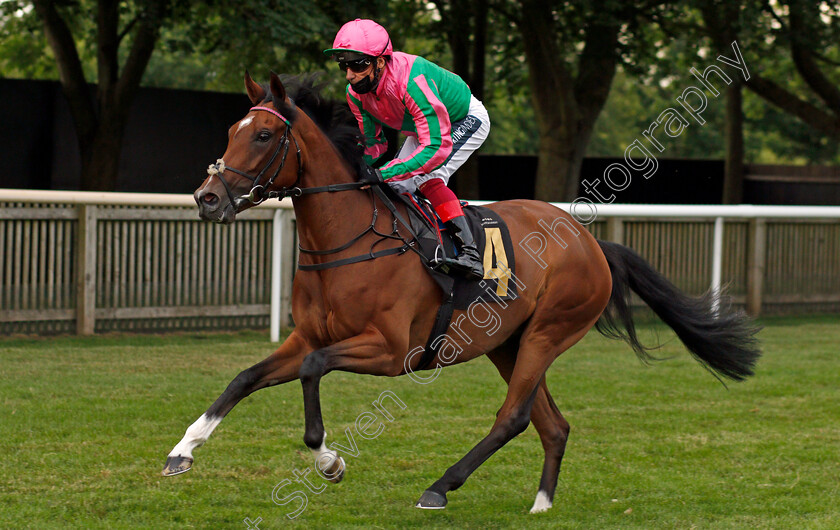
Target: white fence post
(287,260)
(717,261)
(276,274)
(282,256)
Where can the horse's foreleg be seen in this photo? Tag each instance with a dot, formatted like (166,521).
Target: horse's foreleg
(314,367)
(280,367)
(365,349)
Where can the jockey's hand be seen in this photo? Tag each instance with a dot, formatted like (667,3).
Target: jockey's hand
(371,175)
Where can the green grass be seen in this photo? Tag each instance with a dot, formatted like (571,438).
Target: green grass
(87,423)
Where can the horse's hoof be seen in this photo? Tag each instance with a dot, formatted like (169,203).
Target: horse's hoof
(175,465)
(431,500)
(336,472)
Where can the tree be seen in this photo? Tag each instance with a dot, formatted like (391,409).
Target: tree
(100,123)
(793,36)
(722,38)
(122,37)
(572,51)
(464,24)
(810,30)
(796,35)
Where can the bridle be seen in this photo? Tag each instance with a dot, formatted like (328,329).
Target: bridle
(258,192)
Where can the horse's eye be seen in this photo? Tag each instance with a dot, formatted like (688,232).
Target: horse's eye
(263,136)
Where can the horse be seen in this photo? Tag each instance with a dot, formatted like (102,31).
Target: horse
(365,315)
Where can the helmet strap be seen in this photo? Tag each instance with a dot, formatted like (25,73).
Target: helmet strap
(377,72)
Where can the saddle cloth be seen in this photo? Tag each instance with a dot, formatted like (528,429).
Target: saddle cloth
(492,240)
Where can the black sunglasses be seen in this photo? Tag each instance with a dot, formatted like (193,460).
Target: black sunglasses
(358,66)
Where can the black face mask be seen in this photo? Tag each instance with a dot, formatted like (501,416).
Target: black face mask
(366,85)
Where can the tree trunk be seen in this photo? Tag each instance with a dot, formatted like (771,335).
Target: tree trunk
(479,49)
(733,180)
(558,166)
(101,157)
(468,175)
(468,61)
(100,128)
(566,106)
(458,30)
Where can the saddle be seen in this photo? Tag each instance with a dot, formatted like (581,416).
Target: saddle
(436,243)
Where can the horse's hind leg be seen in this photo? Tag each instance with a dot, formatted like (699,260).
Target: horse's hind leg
(554,432)
(538,348)
(551,426)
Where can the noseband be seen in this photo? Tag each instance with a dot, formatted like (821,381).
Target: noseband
(258,192)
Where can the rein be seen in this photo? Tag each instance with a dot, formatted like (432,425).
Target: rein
(395,234)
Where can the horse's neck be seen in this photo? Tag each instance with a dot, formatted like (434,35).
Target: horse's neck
(328,219)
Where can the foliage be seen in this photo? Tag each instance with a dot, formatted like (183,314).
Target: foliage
(633,105)
(24,53)
(771,135)
(208,45)
(796,43)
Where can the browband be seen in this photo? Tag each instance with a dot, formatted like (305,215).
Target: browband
(287,122)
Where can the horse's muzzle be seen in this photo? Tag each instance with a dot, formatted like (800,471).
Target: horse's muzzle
(212,208)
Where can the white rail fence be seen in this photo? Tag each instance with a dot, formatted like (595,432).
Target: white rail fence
(768,255)
(87,262)
(91,262)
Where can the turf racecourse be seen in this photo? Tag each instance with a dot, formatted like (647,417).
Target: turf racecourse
(86,425)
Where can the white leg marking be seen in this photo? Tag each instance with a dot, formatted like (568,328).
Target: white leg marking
(325,458)
(542,502)
(196,435)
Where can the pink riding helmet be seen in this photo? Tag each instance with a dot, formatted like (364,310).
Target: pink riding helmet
(362,36)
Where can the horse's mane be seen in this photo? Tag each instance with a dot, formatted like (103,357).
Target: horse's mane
(333,117)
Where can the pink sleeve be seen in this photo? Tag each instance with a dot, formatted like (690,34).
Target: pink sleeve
(431,121)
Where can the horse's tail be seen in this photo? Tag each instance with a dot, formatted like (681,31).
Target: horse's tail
(723,341)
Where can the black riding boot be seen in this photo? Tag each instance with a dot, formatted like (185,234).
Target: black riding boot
(468,262)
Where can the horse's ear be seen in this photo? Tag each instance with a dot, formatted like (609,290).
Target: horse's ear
(255,92)
(277,88)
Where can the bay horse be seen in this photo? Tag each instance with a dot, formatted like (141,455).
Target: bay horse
(366,316)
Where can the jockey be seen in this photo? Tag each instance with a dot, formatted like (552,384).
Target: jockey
(444,123)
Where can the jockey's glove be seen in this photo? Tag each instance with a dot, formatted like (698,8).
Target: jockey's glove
(371,175)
